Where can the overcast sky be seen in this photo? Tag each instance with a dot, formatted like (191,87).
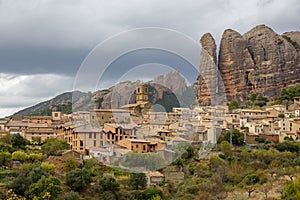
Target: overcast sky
(43,43)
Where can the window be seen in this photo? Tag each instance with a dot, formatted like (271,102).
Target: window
(90,135)
(95,143)
(95,135)
(131,147)
(137,146)
(55,114)
(144,147)
(101,135)
(81,143)
(138,90)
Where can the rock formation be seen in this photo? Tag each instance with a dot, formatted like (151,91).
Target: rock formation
(208,59)
(260,61)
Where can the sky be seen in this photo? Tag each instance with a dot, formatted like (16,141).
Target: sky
(44,43)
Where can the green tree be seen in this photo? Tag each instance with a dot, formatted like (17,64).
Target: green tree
(48,167)
(19,156)
(233,104)
(45,188)
(15,140)
(252,97)
(5,157)
(152,192)
(226,148)
(237,137)
(92,165)
(20,184)
(52,146)
(178,162)
(35,157)
(138,181)
(260,140)
(36,173)
(70,164)
(6,146)
(108,183)
(287,146)
(250,183)
(291,190)
(78,179)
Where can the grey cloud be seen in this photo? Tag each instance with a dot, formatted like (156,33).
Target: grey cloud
(55,36)
(25,90)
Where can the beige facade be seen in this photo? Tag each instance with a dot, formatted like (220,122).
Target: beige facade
(41,119)
(80,137)
(140,146)
(38,132)
(142,94)
(113,133)
(3,127)
(103,116)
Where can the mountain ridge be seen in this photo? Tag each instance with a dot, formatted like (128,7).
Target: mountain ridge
(173,86)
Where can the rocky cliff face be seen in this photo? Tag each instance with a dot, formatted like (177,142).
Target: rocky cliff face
(260,61)
(208,59)
(124,93)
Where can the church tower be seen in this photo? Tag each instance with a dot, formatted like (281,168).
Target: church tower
(141,94)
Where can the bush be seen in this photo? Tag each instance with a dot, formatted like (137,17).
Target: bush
(150,193)
(237,137)
(233,104)
(260,140)
(52,146)
(72,196)
(70,164)
(48,167)
(19,156)
(138,180)
(4,157)
(45,188)
(35,157)
(78,179)
(20,184)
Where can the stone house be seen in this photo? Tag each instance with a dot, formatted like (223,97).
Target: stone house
(140,146)
(40,131)
(154,178)
(113,133)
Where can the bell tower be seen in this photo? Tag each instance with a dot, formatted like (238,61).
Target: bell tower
(141,94)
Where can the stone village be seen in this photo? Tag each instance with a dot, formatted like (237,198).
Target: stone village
(109,134)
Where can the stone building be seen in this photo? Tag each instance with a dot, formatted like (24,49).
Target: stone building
(113,133)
